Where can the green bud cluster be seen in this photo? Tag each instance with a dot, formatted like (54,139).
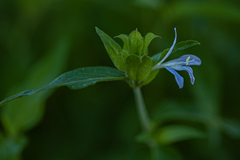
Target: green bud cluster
(132,58)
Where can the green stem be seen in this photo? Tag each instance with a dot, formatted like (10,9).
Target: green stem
(142,112)
(154,150)
(145,121)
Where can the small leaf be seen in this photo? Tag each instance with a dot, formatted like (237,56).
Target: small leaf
(76,79)
(138,68)
(147,40)
(178,47)
(175,133)
(113,49)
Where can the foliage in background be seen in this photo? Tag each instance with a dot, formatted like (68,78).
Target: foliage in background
(101,119)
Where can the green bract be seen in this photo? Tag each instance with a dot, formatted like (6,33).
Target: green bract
(136,42)
(115,52)
(132,58)
(138,68)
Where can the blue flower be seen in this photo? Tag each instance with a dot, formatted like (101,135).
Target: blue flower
(179,64)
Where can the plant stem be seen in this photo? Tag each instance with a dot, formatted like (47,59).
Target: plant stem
(145,121)
(142,112)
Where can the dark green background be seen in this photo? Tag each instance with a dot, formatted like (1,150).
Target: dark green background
(100,122)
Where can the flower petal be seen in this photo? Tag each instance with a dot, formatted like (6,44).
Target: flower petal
(185,68)
(183,60)
(179,79)
(171,48)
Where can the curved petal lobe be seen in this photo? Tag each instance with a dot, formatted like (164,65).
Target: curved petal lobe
(188,69)
(179,79)
(170,50)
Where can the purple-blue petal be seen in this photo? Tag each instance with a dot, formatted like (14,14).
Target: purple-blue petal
(171,48)
(193,60)
(179,79)
(186,68)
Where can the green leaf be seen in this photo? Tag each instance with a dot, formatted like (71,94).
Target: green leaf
(175,133)
(147,40)
(22,115)
(185,44)
(136,42)
(76,79)
(113,49)
(138,68)
(178,47)
(164,152)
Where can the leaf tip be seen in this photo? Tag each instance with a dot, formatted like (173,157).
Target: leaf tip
(97,29)
(197,43)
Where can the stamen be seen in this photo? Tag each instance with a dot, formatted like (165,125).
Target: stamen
(187,60)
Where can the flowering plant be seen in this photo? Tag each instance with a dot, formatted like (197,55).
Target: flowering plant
(134,66)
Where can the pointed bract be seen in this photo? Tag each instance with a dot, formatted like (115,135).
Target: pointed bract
(136,42)
(113,49)
(147,40)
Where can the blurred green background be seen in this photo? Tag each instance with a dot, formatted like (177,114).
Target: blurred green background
(40,39)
